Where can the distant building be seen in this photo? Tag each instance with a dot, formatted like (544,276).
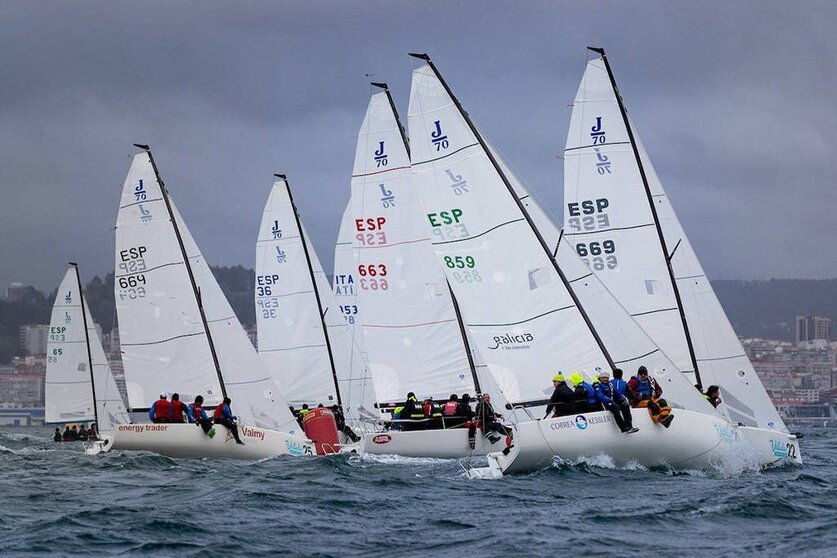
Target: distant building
(33,339)
(15,291)
(22,383)
(811,328)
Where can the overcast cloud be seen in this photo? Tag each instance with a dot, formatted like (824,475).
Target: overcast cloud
(734,102)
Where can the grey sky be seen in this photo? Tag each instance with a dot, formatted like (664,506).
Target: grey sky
(733,100)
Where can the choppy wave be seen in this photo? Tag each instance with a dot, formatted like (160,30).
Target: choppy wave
(55,499)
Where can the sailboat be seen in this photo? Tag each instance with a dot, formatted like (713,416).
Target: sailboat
(79,385)
(620,220)
(179,334)
(525,309)
(303,339)
(393,291)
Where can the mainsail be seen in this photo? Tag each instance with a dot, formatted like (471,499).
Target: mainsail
(411,329)
(303,338)
(177,328)
(79,384)
(620,221)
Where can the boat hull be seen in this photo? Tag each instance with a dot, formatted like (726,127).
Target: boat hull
(451,443)
(694,441)
(189,441)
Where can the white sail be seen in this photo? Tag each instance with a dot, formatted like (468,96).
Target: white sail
(413,339)
(627,343)
(610,223)
(68,393)
(303,357)
(72,393)
(164,340)
(516,305)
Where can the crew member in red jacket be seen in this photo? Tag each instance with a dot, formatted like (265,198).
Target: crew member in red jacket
(178,409)
(160,410)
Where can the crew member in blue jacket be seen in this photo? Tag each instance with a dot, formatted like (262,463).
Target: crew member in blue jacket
(613,402)
(223,416)
(586,400)
(198,416)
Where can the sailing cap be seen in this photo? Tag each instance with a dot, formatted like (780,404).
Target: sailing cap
(559,377)
(576,378)
(164,394)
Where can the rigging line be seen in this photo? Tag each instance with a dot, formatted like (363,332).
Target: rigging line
(595,145)
(653,208)
(146,270)
(478,235)
(653,311)
(558,245)
(527,319)
(163,340)
(140,203)
(676,246)
(415,164)
(87,338)
(611,229)
(465,341)
(380,172)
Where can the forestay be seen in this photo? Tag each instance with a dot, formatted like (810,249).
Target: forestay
(305,351)
(413,338)
(515,303)
(167,338)
(610,221)
(72,392)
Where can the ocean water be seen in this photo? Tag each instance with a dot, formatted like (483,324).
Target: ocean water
(56,500)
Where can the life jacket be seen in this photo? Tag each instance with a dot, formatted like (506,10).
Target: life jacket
(176,411)
(647,387)
(619,386)
(162,409)
(605,391)
(591,393)
(433,410)
(219,411)
(450,408)
(396,413)
(418,410)
(197,412)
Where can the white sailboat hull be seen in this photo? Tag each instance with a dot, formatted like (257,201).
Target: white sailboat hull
(189,441)
(451,443)
(694,441)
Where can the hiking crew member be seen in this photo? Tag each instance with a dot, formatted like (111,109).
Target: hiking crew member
(198,416)
(178,409)
(68,434)
(713,395)
(340,420)
(91,432)
(223,416)
(618,407)
(585,396)
(82,433)
(562,402)
(57,436)
(412,411)
(489,421)
(464,410)
(451,406)
(645,392)
(432,410)
(160,410)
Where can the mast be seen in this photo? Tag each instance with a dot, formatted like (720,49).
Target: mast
(284,179)
(459,321)
(666,255)
(520,206)
(195,288)
(87,342)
